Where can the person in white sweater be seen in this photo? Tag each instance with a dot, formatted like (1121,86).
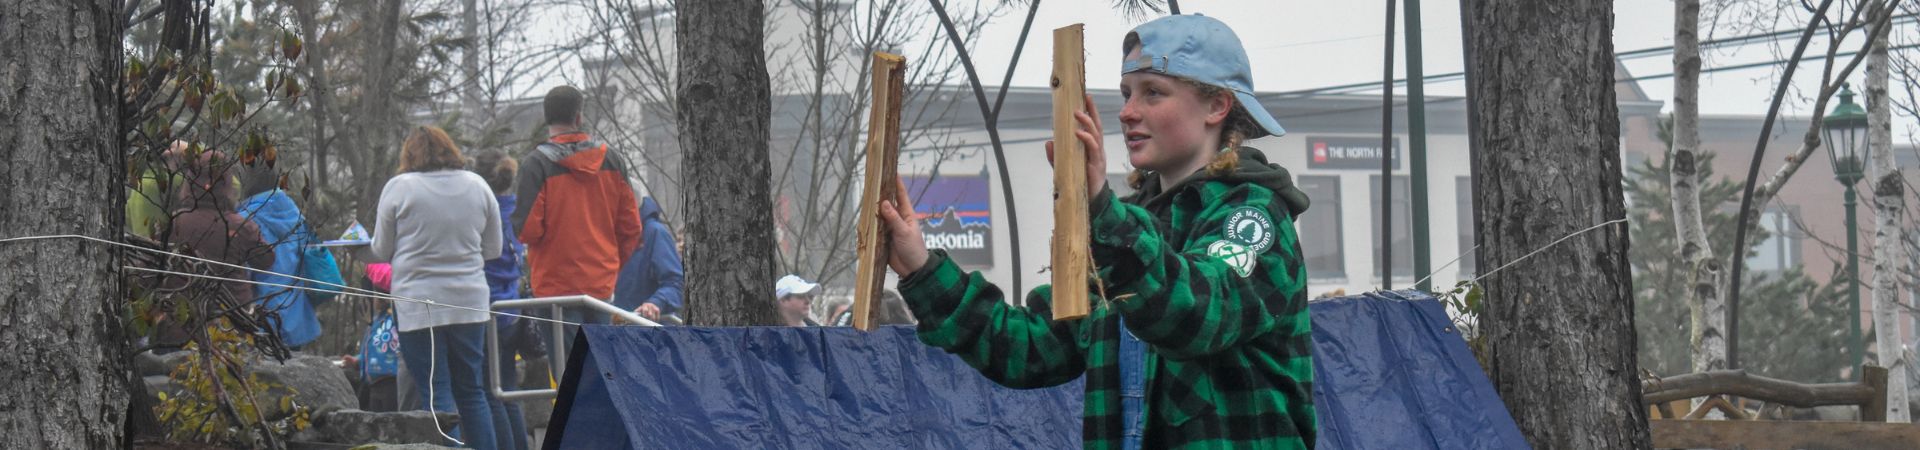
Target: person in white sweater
(438,224)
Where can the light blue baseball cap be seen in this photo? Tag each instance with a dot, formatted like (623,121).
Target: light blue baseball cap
(1203,49)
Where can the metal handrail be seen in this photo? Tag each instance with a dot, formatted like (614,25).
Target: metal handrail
(554,359)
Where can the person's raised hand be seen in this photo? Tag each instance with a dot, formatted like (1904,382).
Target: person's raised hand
(1089,132)
(908,250)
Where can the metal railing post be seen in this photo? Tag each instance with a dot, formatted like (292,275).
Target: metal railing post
(555,360)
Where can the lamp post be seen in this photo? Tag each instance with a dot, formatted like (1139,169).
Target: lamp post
(1845,127)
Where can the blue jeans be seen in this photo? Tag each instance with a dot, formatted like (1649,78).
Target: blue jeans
(454,356)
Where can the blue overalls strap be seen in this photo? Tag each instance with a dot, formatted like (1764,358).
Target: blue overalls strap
(1133,386)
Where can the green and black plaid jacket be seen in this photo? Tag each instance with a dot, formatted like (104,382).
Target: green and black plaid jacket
(1229,363)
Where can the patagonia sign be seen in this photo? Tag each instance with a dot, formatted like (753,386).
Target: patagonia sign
(956,215)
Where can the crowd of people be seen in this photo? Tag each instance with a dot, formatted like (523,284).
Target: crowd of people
(452,229)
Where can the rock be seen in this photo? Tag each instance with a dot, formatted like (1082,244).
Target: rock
(157,384)
(356,427)
(149,364)
(316,384)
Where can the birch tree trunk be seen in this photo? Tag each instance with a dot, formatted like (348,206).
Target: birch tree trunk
(724,111)
(60,152)
(1888,205)
(1560,347)
(1707,308)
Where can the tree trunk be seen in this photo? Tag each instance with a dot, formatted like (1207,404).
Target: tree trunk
(724,108)
(319,90)
(376,116)
(1560,325)
(64,358)
(1708,310)
(1888,200)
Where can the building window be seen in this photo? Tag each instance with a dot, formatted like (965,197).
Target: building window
(1319,228)
(1781,250)
(1402,226)
(1463,221)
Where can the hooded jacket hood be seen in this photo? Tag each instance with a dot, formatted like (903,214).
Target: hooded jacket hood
(1253,168)
(649,210)
(575,151)
(274,212)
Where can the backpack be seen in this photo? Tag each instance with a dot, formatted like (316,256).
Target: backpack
(380,350)
(316,263)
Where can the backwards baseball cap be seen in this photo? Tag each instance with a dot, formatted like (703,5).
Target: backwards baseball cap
(1202,49)
(792,285)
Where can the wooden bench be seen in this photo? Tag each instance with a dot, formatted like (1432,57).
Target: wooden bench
(1743,430)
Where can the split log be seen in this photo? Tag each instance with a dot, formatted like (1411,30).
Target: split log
(1072,259)
(1742,384)
(883,159)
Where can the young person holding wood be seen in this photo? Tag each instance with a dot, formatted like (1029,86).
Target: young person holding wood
(1198,334)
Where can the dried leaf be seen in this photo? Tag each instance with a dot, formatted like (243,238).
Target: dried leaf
(194,98)
(292,86)
(290,45)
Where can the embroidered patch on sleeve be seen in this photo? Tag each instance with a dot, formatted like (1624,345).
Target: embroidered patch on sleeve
(1248,232)
(1241,258)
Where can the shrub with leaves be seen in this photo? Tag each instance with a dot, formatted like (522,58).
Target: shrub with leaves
(1465,307)
(222,401)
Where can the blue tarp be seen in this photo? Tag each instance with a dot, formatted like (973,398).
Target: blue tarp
(1390,373)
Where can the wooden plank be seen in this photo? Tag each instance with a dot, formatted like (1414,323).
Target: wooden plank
(1720,403)
(1072,260)
(1666,410)
(1875,409)
(1774,434)
(883,161)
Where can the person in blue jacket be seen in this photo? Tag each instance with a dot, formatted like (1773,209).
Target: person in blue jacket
(649,284)
(283,228)
(503,283)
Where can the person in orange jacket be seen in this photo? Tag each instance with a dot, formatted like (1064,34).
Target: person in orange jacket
(579,219)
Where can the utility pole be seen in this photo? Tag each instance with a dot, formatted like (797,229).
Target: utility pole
(1386,157)
(1417,149)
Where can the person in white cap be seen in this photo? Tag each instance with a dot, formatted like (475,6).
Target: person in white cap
(793,298)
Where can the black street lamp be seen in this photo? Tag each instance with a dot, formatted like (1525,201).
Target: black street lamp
(1845,127)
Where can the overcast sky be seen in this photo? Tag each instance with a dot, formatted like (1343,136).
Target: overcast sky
(1301,44)
(1305,44)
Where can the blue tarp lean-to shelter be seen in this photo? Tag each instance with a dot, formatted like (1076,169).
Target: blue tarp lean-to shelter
(1389,373)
